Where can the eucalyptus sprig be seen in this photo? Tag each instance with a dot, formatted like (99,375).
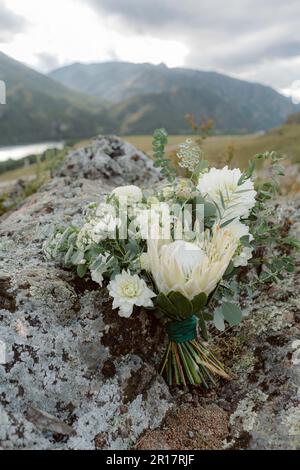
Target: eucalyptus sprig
(160,140)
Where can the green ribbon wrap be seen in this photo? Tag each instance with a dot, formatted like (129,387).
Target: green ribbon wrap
(183,330)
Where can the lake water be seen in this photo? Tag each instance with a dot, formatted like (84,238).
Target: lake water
(20,151)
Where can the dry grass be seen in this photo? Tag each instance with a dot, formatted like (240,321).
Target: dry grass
(217,149)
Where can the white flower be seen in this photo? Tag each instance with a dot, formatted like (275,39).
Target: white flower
(189,155)
(243,253)
(144,262)
(182,188)
(96,230)
(152,200)
(128,290)
(84,236)
(132,193)
(168,192)
(221,187)
(191,268)
(105,228)
(242,258)
(154,222)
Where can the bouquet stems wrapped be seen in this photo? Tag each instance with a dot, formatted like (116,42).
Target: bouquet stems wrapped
(187,360)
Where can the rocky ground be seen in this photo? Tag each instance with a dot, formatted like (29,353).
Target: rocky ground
(74,375)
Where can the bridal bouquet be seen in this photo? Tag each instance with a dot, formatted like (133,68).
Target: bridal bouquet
(179,250)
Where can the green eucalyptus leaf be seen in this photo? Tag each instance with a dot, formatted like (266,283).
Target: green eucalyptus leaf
(81,270)
(219,319)
(68,255)
(77,257)
(232,313)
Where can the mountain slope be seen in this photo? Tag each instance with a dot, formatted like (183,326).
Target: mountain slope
(142,113)
(38,108)
(117,81)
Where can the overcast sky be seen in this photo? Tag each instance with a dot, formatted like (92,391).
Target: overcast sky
(257,40)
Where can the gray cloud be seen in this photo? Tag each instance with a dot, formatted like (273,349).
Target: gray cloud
(10,24)
(233,37)
(47,62)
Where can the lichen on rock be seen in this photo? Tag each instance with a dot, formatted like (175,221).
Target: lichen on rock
(60,371)
(77,376)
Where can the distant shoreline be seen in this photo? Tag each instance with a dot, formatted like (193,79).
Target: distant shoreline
(17,152)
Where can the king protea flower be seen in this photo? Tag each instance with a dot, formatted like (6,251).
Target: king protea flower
(191,268)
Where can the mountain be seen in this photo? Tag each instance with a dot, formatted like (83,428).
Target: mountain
(146,95)
(141,114)
(80,101)
(38,108)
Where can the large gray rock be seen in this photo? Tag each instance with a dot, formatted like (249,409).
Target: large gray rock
(73,374)
(264,399)
(110,157)
(76,375)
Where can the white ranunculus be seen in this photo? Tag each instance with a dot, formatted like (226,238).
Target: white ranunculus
(132,193)
(128,290)
(220,186)
(243,253)
(191,268)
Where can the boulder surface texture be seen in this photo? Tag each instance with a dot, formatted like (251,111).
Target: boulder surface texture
(74,375)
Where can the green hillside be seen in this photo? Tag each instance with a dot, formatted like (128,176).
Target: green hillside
(38,108)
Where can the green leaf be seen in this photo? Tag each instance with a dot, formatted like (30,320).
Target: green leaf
(198,302)
(165,304)
(229,269)
(245,240)
(77,257)
(81,270)
(68,255)
(227,222)
(291,242)
(232,313)
(219,319)
(183,305)
(208,316)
